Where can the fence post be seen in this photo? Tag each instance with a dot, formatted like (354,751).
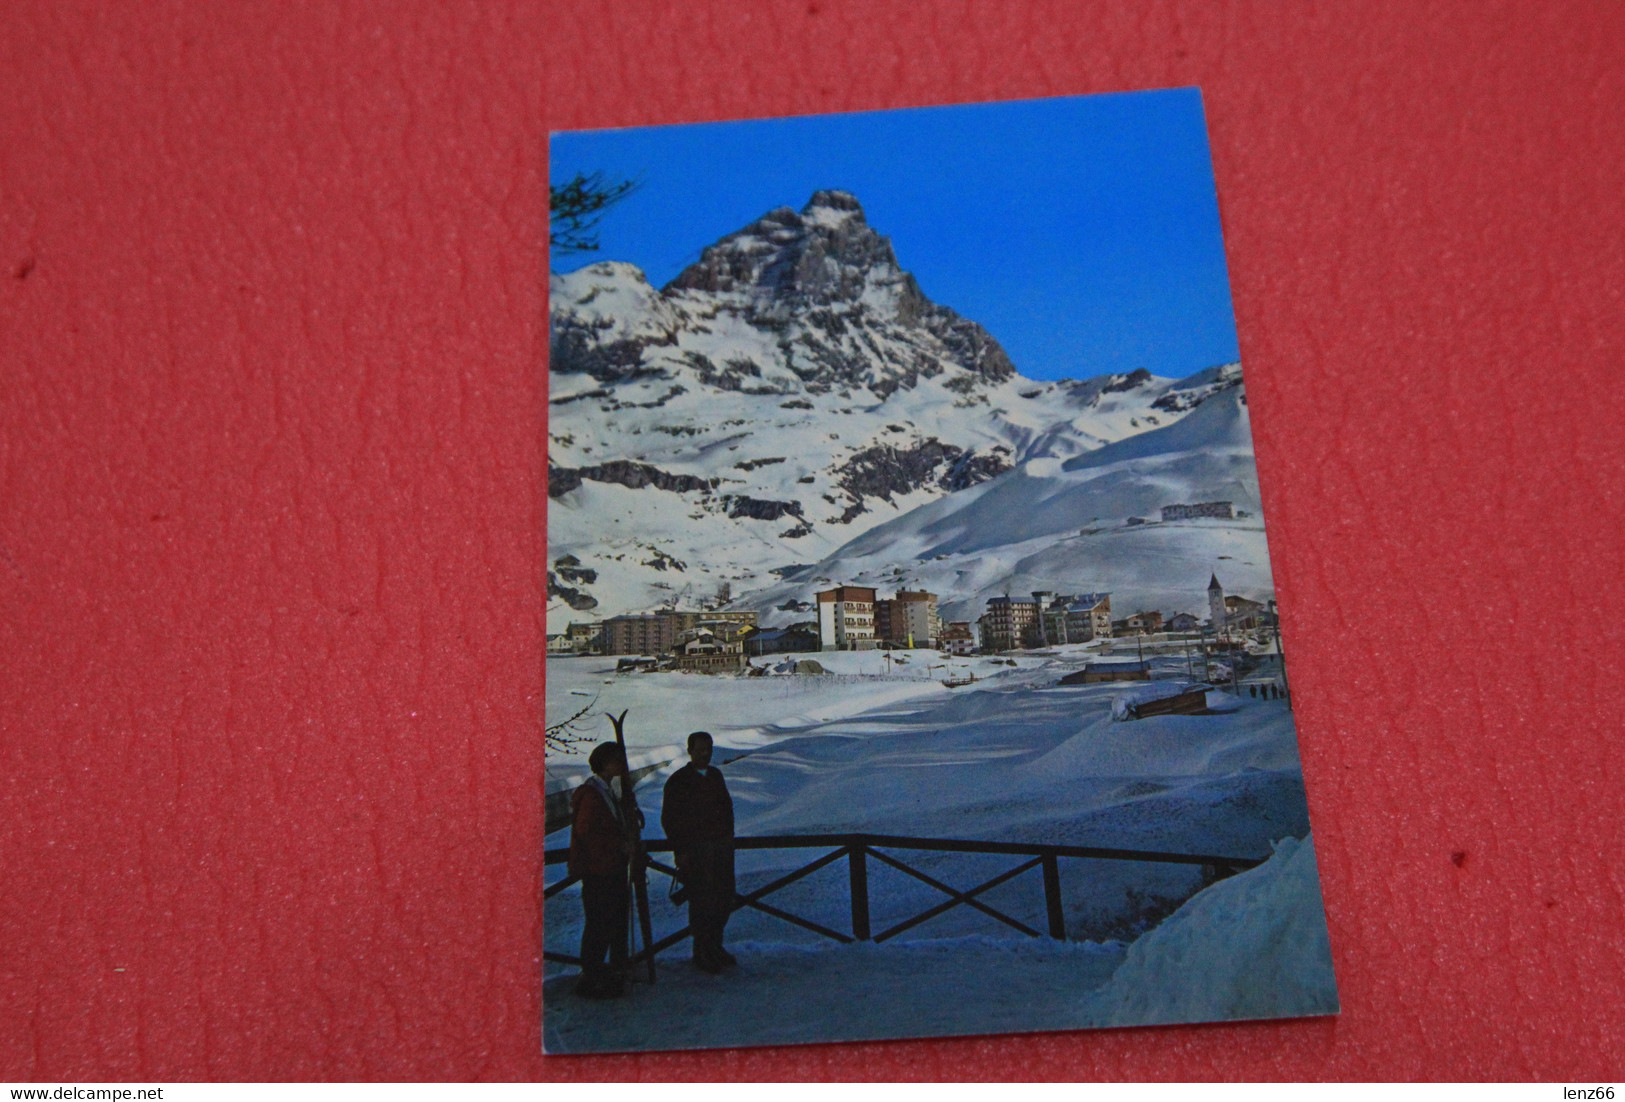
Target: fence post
(1052,897)
(858,870)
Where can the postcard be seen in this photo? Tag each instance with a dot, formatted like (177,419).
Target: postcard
(914,662)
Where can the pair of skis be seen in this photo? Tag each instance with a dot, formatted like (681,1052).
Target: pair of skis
(632,823)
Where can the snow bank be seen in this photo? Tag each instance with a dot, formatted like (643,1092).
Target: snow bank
(1252,946)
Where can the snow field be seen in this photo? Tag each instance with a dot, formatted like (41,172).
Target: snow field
(1252,946)
(1012,758)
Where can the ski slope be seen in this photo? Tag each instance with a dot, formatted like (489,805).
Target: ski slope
(1063,525)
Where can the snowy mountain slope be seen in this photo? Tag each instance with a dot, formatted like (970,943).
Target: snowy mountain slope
(789,391)
(1062,525)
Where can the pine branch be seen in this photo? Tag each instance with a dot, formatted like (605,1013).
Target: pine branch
(576,208)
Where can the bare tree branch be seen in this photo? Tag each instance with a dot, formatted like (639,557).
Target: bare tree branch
(563,735)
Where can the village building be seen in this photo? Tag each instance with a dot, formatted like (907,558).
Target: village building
(1233,613)
(646,634)
(795,639)
(1243,615)
(1182,621)
(1008,622)
(657,632)
(683,620)
(1075,618)
(1045,619)
(846,618)
(748,619)
(560,644)
(1141,623)
(957,639)
(712,647)
(1218,509)
(1109,669)
(585,637)
(730,630)
(909,619)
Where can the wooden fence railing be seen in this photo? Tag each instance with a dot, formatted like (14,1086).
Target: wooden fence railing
(857,849)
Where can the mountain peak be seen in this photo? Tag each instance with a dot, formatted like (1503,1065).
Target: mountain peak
(826,250)
(820,284)
(831,205)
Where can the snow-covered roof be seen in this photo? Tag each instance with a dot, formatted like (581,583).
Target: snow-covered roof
(1147,693)
(1085,602)
(780,633)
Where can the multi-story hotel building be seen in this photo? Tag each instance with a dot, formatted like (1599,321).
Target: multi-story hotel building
(908,619)
(648,634)
(1078,618)
(846,618)
(657,632)
(1007,622)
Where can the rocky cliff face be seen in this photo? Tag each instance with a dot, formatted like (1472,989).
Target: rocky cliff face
(824,281)
(824,293)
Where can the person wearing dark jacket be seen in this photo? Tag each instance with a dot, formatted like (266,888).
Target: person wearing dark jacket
(698,818)
(599,855)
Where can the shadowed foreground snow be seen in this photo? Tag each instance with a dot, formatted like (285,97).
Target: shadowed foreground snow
(783,994)
(880,745)
(1253,946)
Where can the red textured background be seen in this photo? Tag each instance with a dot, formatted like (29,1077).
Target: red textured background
(271,500)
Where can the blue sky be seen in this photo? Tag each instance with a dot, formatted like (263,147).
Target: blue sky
(1082,232)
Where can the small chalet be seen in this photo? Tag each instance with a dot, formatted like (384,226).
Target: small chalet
(795,639)
(957,638)
(584,638)
(710,648)
(1242,614)
(1141,623)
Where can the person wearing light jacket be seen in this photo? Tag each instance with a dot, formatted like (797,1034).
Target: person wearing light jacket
(599,855)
